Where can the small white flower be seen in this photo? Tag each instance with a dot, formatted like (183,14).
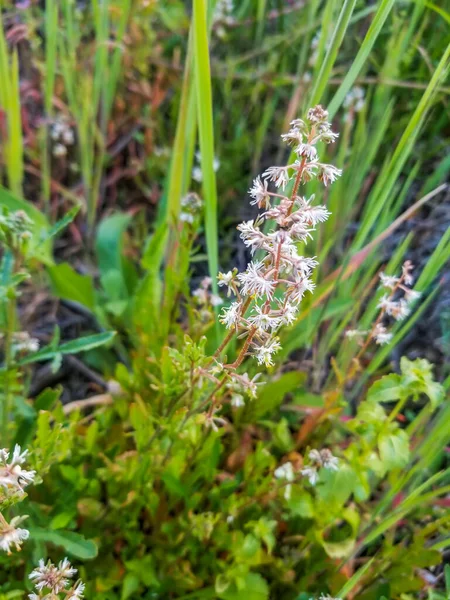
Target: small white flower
(264,320)
(355,333)
(245,384)
(49,576)
(306,150)
(328,461)
(197,174)
(12,476)
(279,175)
(237,400)
(412,295)
(264,353)
(285,471)
(215,300)
(254,283)
(251,235)
(259,193)
(406,272)
(297,289)
(311,474)
(317,114)
(77,592)
(288,314)
(231,315)
(381,335)
(388,281)
(59,150)
(186,217)
(11,535)
(328,173)
(201,294)
(227,279)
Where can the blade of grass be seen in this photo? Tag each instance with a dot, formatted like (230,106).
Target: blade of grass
(330,57)
(369,39)
(206,132)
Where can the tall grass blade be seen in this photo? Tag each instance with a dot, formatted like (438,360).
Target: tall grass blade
(206,132)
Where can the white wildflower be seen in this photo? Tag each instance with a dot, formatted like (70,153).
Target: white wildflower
(12,475)
(388,281)
(254,283)
(264,353)
(286,472)
(381,335)
(311,474)
(59,150)
(355,333)
(259,193)
(306,150)
(251,235)
(237,400)
(328,173)
(279,175)
(412,295)
(317,114)
(215,300)
(231,315)
(227,280)
(288,313)
(264,320)
(11,535)
(55,578)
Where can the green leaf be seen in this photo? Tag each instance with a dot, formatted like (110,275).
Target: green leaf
(394,449)
(386,389)
(301,503)
(70,285)
(271,395)
(339,549)
(254,587)
(418,378)
(130,585)
(109,242)
(73,543)
(73,347)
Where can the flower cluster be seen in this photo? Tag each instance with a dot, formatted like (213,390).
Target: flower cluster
(191,206)
(320,459)
(395,303)
(269,291)
(223,15)
(62,134)
(355,99)
(13,480)
(22,342)
(15,230)
(197,173)
(204,296)
(50,581)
